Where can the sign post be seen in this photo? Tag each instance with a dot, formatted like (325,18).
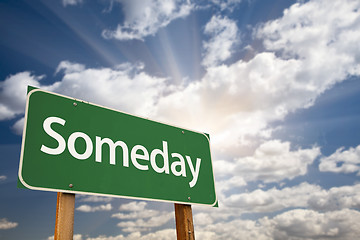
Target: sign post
(64,223)
(184,222)
(75,147)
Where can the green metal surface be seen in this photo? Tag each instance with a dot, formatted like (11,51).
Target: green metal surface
(65,173)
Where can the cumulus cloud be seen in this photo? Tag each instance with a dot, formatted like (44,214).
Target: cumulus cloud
(140,219)
(90,84)
(304,195)
(145,224)
(3,178)
(133,206)
(308,50)
(335,198)
(232,183)
(136,214)
(223,34)
(13,93)
(165,234)
(144,18)
(88,208)
(19,126)
(273,161)
(330,29)
(69,67)
(6,224)
(309,224)
(236,102)
(273,199)
(342,161)
(125,88)
(295,224)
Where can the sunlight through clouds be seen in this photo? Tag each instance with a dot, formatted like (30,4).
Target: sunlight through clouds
(144,18)
(268,188)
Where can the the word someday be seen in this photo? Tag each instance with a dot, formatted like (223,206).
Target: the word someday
(138,152)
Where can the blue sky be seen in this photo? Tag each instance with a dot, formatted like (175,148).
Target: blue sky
(274,83)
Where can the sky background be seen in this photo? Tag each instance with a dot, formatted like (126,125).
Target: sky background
(274,83)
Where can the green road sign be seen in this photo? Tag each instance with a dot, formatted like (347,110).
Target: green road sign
(74,146)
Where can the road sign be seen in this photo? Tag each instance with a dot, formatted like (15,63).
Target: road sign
(77,147)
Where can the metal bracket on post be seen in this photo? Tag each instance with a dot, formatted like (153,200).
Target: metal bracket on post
(64,224)
(184,222)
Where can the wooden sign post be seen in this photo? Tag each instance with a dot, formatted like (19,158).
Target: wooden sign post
(64,223)
(184,222)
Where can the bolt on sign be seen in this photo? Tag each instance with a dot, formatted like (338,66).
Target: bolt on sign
(77,147)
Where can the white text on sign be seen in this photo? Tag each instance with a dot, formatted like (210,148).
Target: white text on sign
(138,152)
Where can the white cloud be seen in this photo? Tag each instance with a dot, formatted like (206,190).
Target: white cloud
(146,213)
(247,94)
(342,161)
(273,199)
(165,234)
(5,224)
(335,219)
(234,103)
(304,195)
(312,47)
(139,218)
(126,88)
(323,36)
(309,224)
(2,178)
(19,126)
(273,161)
(133,206)
(77,237)
(202,219)
(308,50)
(13,93)
(144,18)
(145,224)
(123,88)
(229,184)
(335,198)
(88,208)
(224,35)
(291,225)
(71,2)
(69,67)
